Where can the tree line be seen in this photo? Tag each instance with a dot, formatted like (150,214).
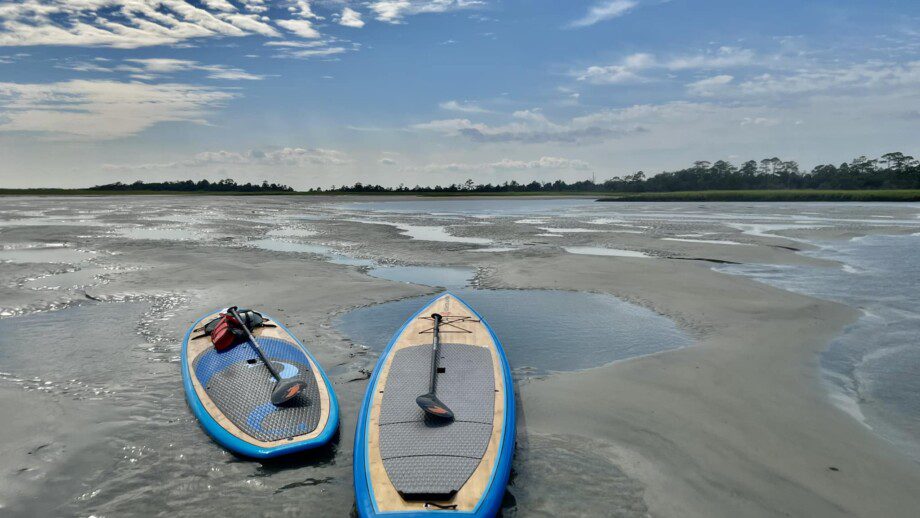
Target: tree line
(890,171)
(226,185)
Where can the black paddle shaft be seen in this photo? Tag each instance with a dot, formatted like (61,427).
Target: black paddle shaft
(429,402)
(435,352)
(285,389)
(255,345)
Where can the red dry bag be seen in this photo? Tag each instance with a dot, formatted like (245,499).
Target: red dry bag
(226,333)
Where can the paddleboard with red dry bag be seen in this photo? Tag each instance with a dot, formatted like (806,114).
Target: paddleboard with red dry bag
(229,387)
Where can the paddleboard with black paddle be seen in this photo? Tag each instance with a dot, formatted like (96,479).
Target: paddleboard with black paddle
(240,394)
(411,461)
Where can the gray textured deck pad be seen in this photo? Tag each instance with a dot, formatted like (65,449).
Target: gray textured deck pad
(242,391)
(466,385)
(429,477)
(418,438)
(424,457)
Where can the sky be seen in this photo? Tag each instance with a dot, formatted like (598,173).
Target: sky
(315,93)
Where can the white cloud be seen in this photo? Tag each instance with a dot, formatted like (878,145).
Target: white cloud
(625,72)
(635,123)
(99,110)
(530,127)
(386,161)
(148,69)
(506,164)
(126,23)
(302,28)
(317,53)
(254,6)
(394,11)
(320,48)
(872,75)
(219,5)
(302,9)
(164,65)
(151,66)
(631,68)
(463,107)
(605,10)
(759,121)
(723,57)
(233,74)
(130,24)
(12,58)
(283,156)
(286,157)
(351,18)
(295,44)
(709,86)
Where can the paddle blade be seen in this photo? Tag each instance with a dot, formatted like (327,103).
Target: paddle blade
(285,390)
(433,406)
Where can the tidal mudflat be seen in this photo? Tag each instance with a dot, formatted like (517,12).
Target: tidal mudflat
(673,359)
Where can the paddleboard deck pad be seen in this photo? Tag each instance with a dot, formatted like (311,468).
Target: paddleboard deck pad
(229,392)
(410,464)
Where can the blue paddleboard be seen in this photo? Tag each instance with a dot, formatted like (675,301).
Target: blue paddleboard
(412,464)
(229,391)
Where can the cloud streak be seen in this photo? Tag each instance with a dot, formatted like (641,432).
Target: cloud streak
(602,11)
(101,110)
(529,127)
(285,157)
(351,18)
(462,107)
(126,24)
(395,11)
(633,68)
(506,164)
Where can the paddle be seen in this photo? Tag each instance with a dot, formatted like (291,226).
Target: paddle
(429,402)
(285,389)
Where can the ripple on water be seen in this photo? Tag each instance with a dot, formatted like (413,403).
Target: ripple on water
(291,232)
(75,347)
(161,234)
(67,279)
(872,366)
(46,254)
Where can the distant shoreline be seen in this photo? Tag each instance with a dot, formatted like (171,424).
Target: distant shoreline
(766,195)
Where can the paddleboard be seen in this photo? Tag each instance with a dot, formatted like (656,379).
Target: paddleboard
(408,464)
(229,392)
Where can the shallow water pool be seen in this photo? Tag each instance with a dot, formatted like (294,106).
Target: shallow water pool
(542,330)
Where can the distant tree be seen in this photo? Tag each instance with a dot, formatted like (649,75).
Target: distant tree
(896,160)
(225,185)
(893,170)
(749,169)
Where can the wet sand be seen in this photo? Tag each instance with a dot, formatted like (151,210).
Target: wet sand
(737,424)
